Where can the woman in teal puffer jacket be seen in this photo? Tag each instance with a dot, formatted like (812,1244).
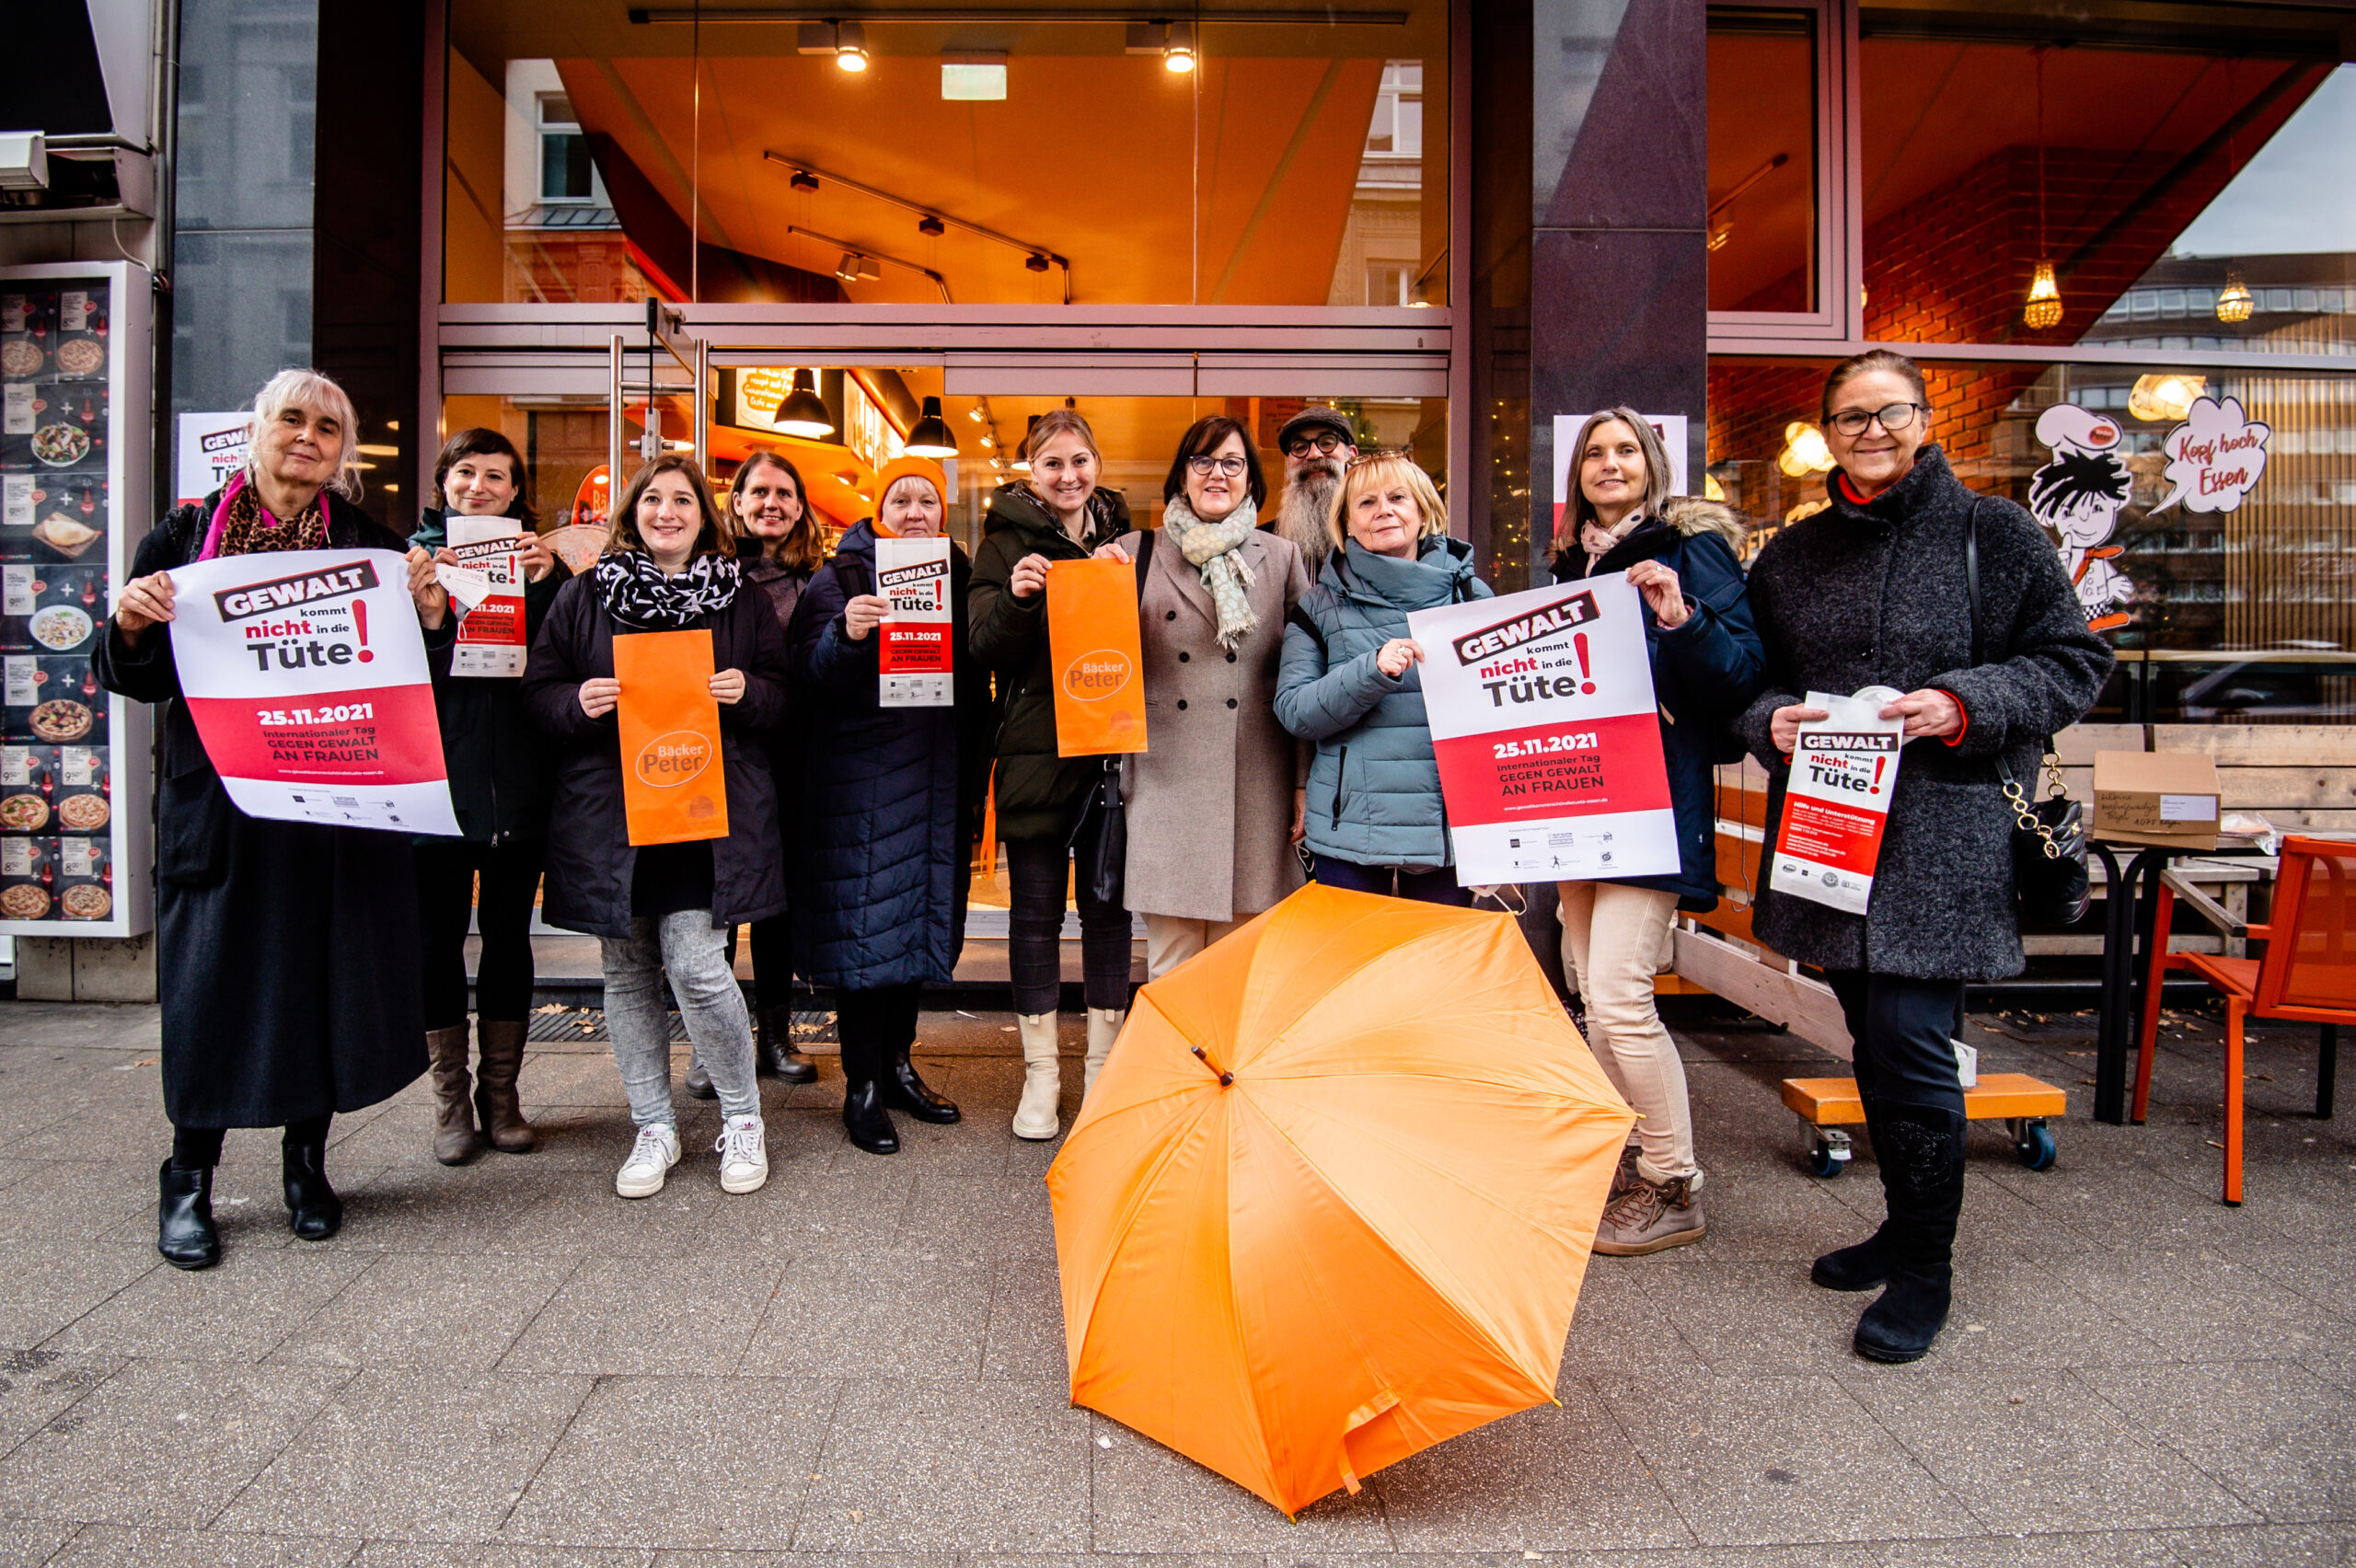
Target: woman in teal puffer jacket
(1348,682)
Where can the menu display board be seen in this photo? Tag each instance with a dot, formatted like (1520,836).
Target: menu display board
(76,833)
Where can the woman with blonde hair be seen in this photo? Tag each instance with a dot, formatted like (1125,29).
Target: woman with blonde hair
(286,952)
(1681,554)
(1376,822)
(662,912)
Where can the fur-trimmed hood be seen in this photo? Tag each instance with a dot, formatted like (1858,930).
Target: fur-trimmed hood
(1692,516)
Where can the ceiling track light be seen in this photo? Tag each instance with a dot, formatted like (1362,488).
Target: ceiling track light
(846,41)
(1037,258)
(930,435)
(803,181)
(1173,41)
(863,262)
(929,225)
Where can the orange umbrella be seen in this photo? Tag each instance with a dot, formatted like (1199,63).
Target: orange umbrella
(1332,1198)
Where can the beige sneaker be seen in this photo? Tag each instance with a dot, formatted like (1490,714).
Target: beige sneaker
(1648,1216)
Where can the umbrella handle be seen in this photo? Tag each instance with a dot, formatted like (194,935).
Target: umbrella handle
(1224,1078)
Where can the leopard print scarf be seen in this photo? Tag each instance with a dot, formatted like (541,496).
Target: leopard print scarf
(248,528)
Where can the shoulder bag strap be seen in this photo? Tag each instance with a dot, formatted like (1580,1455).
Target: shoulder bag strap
(1144,560)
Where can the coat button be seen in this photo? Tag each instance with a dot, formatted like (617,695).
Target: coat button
(1169,615)
(1182,705)
(1185,658)
(1231,658)
(1230,702)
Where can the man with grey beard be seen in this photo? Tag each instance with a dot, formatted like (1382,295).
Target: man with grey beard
(1317,445)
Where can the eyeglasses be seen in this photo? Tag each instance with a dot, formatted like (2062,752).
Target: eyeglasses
(1893,419)
(1324,446)
(1203,466)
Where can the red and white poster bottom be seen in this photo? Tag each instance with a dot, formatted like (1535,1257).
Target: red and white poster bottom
(1569,802)
(334,757)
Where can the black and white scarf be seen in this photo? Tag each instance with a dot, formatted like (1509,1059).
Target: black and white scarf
(640,595)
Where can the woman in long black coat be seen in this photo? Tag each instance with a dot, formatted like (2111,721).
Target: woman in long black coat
(286,953)
(890,802)
(1875,591)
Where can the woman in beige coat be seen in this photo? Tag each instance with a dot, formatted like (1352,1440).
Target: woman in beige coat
(1213,806)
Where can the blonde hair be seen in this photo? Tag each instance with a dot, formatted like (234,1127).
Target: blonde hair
(1379,470)
(1581,511)
(313,393)
(1056,422)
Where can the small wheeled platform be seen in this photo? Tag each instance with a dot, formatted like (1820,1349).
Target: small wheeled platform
(1828,1105)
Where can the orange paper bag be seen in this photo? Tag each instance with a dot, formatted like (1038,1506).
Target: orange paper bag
(673,788)
(1093,642)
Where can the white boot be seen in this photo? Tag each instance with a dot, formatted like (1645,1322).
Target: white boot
(1042,1078)
(1104,1028)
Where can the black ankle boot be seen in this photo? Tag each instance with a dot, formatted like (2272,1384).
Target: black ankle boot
(904,1090)
(184,1231)
(866,1120)
(773,1054)
(316,1212)
(1921,1154)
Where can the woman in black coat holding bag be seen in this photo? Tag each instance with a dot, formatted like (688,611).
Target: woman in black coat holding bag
(500,777)
(1874,591)
(285,951)
(891,802)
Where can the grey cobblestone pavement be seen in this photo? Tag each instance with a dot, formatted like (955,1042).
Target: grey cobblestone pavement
(864,1363)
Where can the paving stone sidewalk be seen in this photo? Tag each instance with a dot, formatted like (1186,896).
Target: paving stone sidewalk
(863,1364)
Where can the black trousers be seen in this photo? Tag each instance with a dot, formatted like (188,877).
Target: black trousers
(1036,872)
(199,1148)
(1903,1028)
(1424,885)
(874,1027)
(772,944)
(446,899)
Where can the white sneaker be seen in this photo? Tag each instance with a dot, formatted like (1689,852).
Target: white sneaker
(743,1155)
(650,1159)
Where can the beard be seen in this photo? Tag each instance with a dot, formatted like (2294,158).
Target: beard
(1305,507)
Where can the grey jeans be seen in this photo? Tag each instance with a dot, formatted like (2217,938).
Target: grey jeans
(684,946)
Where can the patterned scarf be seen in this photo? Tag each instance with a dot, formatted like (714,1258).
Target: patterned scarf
(639,594)
(1213,548)
(243,526)
(1598,540)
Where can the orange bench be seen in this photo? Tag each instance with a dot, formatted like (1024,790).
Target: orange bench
(1826,1105)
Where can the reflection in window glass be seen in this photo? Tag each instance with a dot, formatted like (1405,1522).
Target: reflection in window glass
(1762,160)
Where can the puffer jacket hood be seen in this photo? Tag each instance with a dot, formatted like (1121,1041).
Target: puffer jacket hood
(1018,506)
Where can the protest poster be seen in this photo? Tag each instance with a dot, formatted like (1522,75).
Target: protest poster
(304,671)
(1547,729)
(1096,649)
(914,655)
(1836,803)
(492,638)
(212,448)
(675,789)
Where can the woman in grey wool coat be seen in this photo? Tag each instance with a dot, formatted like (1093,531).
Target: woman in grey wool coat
(1872,592)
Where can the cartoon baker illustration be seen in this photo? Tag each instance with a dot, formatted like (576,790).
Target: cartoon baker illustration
(2079,495)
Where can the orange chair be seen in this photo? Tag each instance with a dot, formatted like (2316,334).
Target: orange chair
(2308,973)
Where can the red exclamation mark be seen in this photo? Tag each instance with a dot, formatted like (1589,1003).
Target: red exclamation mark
(1578,646)
(360,618)
(1880,763)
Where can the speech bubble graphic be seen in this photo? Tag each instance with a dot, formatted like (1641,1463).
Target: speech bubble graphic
(2214,457)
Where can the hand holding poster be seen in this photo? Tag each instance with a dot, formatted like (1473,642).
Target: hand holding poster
(1844,773)
(1094,647)
(304,671)
(912,575)
(1547,729)
(491,635)
(674,789)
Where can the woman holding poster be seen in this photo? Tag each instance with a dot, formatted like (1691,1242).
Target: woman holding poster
(1214,805)
(662,911)
(500,779)
(1683,556)
(1349,683)
(1873,596)
(890,802)
(1048,809)
(285,951)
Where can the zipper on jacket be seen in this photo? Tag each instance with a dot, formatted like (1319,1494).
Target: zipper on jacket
(1341,773)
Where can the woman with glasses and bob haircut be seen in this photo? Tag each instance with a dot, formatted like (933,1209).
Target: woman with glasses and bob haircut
(1875,591)
(1213,807)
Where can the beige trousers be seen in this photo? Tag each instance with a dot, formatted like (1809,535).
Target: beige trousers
(1615,939)
(1171,940)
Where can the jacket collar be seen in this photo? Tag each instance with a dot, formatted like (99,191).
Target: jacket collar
(1907,498)
(1441,571)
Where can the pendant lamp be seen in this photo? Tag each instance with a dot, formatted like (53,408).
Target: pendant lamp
(2043,309)
(2234,303)
(930,436)
(803,412)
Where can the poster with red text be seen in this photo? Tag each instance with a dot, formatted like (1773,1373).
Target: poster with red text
(914,656)
(1547,729)
(1836,803)
(304,671)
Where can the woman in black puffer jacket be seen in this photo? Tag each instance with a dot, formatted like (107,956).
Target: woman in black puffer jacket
(1873,591)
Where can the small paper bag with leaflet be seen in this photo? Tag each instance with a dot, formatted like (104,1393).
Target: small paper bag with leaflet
(1094,643)
(914,655)
(490,633)
(1836,803)
(674,789)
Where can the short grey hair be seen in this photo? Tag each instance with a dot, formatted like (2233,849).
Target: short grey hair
(1577,514)
(313,393)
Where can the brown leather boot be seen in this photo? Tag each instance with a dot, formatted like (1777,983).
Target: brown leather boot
(455,1138)
(503,1057)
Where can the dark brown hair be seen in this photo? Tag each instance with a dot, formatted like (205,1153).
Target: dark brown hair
(481,441)
(1866,364)
(804,548)
(714,539)
(1205,436)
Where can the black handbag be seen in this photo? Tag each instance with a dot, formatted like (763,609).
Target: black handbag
(2048,836)
(1099,861)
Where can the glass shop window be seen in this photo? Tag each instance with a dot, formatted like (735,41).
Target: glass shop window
(1764,234)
